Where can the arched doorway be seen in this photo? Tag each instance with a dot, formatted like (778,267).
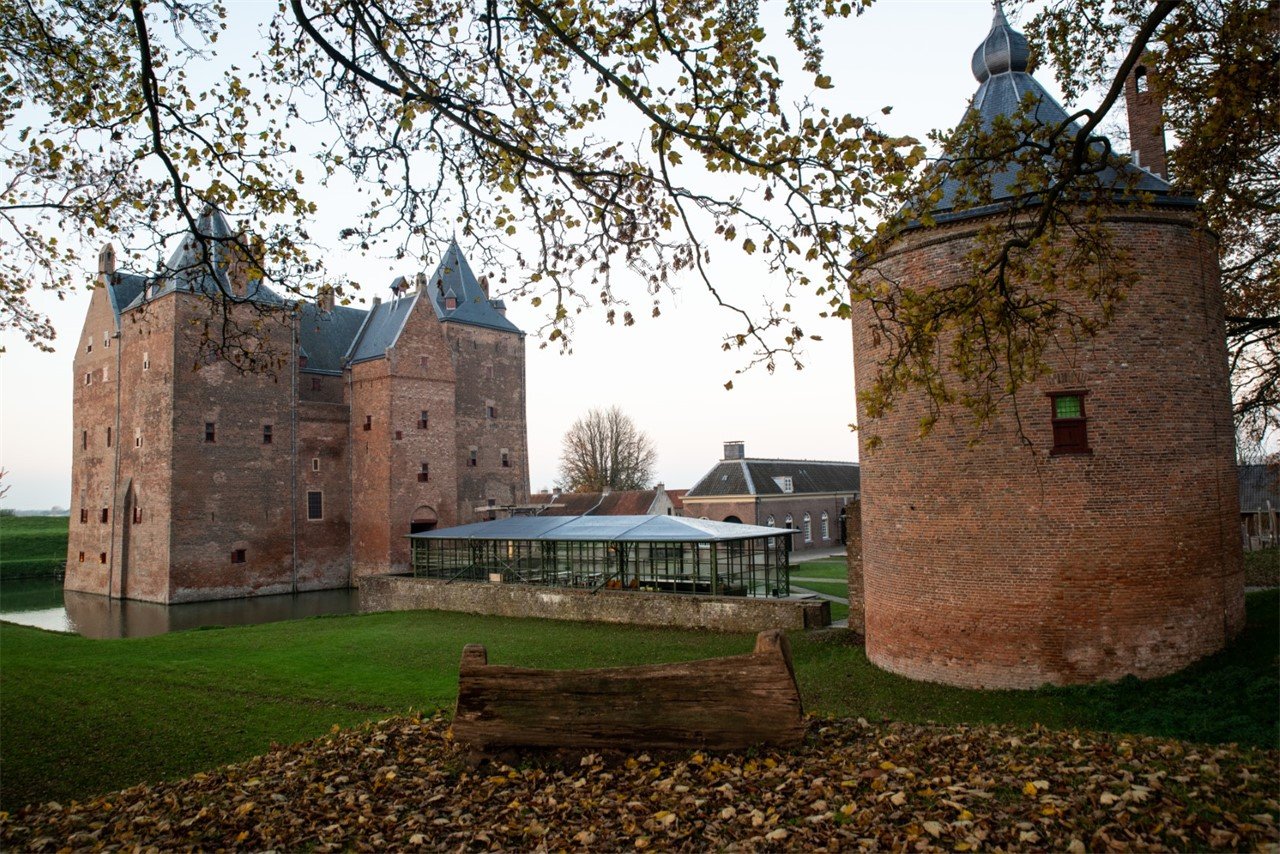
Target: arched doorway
(423,519)
(734,519)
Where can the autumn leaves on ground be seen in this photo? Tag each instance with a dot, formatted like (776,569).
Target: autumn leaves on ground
(402,783)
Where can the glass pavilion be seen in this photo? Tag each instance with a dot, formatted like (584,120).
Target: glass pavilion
(652,553)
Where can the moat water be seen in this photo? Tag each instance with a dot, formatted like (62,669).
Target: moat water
(44,604)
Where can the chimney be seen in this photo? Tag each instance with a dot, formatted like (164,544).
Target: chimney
(1145,106)
(420,282)
(107,263)
(484,285)
(325,298)
(734,450)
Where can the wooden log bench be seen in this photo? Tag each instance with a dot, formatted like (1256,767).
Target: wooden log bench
(717,703)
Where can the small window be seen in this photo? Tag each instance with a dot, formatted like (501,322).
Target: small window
(315,384)
(137,515)
(826,526)
(473,459)
(210,431)
(104,515)
(105,375)
(315,505)
(106,339)
(88,378)
(108,437)
(808,529)
(1070,433)
(237,556)
(399,435)
(102,557)
(785,484)
(450,303)
(790,523)
(491,411)
(146,361)
(315,464)
(84,515)
(137,438)
(88,348)
(424,473)
(266,434)
(422,420)
(506,459)
(82,557)
(368,422)
(84,440)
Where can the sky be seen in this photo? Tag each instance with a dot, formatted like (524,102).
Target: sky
(668,373)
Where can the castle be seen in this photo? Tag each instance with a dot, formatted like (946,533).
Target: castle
(1091,531)
(193,480)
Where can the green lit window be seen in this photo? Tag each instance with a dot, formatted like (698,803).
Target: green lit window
(1068,406)
(1070,427)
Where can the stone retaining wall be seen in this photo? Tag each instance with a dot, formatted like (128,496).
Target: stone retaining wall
(717,613)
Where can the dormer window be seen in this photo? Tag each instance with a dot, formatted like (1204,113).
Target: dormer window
(450,303)
(785,484)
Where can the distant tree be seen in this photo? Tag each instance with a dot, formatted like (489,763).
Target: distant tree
(605,448)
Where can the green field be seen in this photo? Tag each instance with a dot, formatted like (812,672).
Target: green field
(32,546)
(83,716)
(835,569)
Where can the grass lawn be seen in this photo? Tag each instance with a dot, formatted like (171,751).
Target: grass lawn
(1262,568)
(821,569)
(32,545)
(83,716)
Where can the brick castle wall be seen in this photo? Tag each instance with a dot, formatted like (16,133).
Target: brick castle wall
(993,564)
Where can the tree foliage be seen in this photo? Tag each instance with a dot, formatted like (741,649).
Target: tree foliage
(574,142)
(604,449)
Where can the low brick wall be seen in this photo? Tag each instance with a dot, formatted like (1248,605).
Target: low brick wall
(717,613)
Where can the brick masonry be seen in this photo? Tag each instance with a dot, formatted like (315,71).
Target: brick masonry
(721,613)
(991,563)
(167,513)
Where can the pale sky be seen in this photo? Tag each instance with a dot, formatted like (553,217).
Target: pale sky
(667,373)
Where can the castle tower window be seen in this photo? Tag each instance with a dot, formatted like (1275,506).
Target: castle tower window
(210,431)
(84,440)
(473,459)
(315,383)
(422,420)
(84,515)
(315,464)
(82,557)
(826,526)
(137,438)
(808,529)
(424,473)
(315,506)
(490,410)
(105,375)
(506,459)
(266,434)
(146,361)
(102,557)
(88,348)
(88,378)
(399,435)
(137,515)
(106,339)
(368,422)
(450,303)
(1070,430)
(104,515)
(238,556)
(108,437)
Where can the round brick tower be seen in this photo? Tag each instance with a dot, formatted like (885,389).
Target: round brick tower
(1108,547)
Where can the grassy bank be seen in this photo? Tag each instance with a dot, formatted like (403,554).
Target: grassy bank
(32,546)
(1262,568)
(82,716)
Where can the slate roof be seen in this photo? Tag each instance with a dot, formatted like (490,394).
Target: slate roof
(604,529)
(453,278)
(756,477)
(623,502)
(381,329)
(324,337)
(1258,485)
(1000,64)
(124,289)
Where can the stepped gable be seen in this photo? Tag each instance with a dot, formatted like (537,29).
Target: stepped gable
(1001,67)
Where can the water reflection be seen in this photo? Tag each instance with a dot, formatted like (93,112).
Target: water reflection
(45,605)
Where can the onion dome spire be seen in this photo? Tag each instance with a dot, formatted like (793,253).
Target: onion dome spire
(1004,49)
